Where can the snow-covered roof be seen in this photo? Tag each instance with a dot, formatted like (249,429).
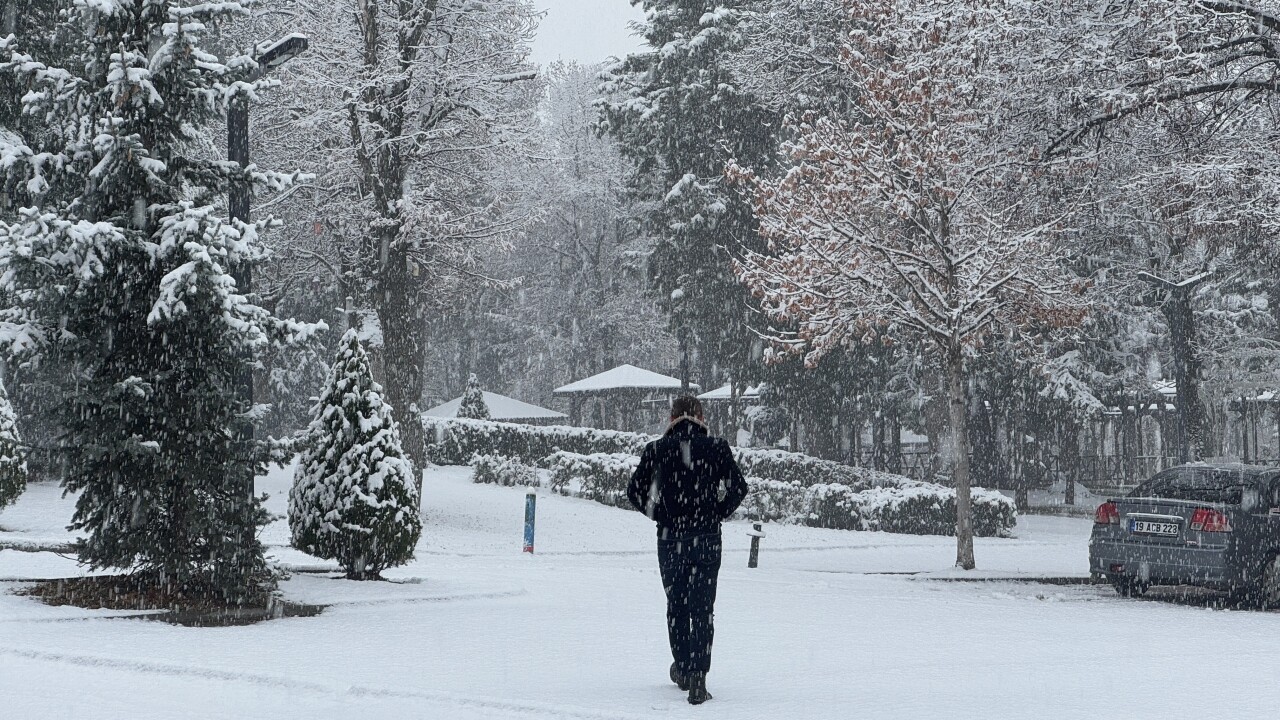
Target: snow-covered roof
(722,393)
(623,377)
(501,407)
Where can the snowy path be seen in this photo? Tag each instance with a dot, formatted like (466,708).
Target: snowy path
(475,629)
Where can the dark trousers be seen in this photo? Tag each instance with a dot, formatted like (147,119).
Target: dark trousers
(690,566)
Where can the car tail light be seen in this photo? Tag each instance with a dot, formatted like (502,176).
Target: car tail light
(1206,520)
(1108,514)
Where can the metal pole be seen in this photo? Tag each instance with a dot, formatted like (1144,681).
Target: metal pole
(241,272)
(756,532)
(238,199)
(530,511)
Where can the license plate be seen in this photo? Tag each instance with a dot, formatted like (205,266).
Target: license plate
(1149,527)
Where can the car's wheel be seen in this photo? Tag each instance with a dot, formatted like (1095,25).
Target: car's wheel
(1128,587)
(1268,589)
(1263,591)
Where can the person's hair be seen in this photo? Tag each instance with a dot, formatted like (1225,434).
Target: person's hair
(686,405)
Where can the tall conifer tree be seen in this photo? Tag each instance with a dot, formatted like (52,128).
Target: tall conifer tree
(118,264)
(680,115)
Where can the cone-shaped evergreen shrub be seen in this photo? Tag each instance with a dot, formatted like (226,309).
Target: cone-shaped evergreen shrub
(354,498)
(473,406)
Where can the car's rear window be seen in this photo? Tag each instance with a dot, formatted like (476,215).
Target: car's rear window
(1219,485)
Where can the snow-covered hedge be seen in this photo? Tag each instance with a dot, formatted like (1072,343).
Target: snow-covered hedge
(773,500)
(454,441)
(927,509)
(785,487)
(602,477)
(807,470)
(505,471)
(910,507)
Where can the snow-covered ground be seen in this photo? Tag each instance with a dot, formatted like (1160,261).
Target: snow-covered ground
(830,626)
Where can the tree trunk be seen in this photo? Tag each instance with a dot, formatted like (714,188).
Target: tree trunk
(878,441)
(1070,452)
(402,340)
(935,415)
(1186,371)
(958,403)
(731,429)
(894,464)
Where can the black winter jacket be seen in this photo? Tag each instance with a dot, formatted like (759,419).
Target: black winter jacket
(678,482)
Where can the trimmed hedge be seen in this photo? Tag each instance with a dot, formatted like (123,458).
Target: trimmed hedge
(785,487)
(925,509)
(505,471)
(773,500)
(602,477)
(912,508)
(808,470)
(453,441)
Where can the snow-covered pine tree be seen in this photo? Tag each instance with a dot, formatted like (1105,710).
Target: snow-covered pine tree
(13,464)
(118,263)
(680,115)
(354,498)
(473,406)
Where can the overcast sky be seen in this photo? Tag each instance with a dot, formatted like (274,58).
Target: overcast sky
(585,30)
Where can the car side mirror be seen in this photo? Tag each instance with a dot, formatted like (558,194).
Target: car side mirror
(1251,500)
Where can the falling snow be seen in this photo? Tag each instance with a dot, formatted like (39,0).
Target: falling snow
(306,305)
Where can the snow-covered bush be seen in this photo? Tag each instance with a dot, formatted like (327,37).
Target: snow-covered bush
(500,470)
(455,441)
(772,500)
(602,477)
(911,508)
(354,498)
(473,406)
(832,506)
(805,469)
(785,487)
(829,505)
(13,464)
(926,509)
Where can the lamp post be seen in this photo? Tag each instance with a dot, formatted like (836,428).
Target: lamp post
(268,56)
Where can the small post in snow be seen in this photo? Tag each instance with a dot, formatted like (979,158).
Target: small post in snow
(530,509)
(756,532)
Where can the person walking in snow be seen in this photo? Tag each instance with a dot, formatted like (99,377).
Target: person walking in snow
(678,485)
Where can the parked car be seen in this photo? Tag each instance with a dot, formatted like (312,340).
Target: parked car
(1209,525)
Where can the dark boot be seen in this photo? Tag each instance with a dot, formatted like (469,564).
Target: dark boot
(698,688)
(680,680)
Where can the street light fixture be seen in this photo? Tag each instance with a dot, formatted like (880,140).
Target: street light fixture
(272,55)
(268,56)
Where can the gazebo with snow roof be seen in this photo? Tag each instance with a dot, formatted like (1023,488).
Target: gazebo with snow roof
(503,409)
(620,398)
(724,394)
